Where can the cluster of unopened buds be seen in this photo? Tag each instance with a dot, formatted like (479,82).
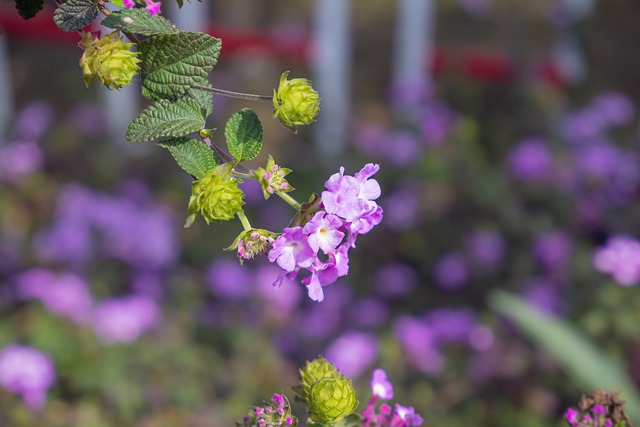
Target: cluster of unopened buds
(602,409)
(274,414)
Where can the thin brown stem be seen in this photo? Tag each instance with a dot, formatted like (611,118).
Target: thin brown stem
(231,94)
(106,12)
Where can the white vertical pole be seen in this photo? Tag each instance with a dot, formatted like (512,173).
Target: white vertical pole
(6,94)
(415,25)
(331,71)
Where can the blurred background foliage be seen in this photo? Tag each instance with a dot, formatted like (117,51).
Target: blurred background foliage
(504,169)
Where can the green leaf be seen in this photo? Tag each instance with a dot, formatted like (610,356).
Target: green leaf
(204,98)
(118,3)
(589,367)
(29,8)
(166,118)
(172,63)
(244,135)
(191,155)
(74,15)
(138,21)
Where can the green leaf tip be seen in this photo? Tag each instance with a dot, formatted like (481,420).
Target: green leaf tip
(243,133)
(191,155)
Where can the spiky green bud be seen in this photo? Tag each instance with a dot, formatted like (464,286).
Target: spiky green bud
(108,59)
(272,178)
(331,399)
(313,371)
(295,102)
(215,196)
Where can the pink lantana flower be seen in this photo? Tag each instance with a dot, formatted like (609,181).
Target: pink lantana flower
(152,7)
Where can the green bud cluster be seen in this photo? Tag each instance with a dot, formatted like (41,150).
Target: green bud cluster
(108,59)
(215,196)
(330,395)
(295,102)
(332,399)
(272,178)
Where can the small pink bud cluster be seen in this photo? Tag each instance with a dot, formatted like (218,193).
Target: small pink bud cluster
(275,179)
(254,243)
(347,209)
(596,417)
(386,416)
(151,6)
(275,414)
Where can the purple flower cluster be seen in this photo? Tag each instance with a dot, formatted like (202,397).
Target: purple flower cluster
(28,372)
(423,338)
(320,245)
(64,294)
(386,416)
(132,227)
(620,257)
(115,320)
(23,155)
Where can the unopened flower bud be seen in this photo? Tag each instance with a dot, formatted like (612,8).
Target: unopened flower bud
(215,196)
(332,399)
(252,242)
(108,59)
(295,102)
(313,371)
(272,178)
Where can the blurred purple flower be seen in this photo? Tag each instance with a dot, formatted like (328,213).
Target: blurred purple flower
(367,312)
(418,340)
(353,352)
(394,280)
(65,241)
(88,118)
(63,294)
(281,300)
(400,148)
(620,257)
(450,325)
(411,92)
(436,122)
(402,207)
(615,108)
(227,279)
(19,159)
(123,320)
(451,271)
(485,248)
(542,294)
(28,372)
(481,338)
(33,120)
(553,249)
(530,160)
